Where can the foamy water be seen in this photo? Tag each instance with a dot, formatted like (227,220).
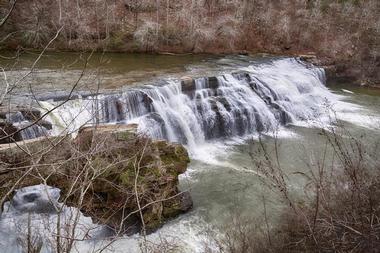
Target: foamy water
(265,101)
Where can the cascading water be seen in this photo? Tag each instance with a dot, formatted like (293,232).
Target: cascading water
(257,98)
(29,131)
(30,220)
(254,99)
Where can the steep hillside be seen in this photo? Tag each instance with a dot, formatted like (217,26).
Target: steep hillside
(344,34)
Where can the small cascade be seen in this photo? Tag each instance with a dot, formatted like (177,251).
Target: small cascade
(255,99)
(34,215)
(29,131)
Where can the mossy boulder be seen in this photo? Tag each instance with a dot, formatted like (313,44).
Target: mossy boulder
(105,171)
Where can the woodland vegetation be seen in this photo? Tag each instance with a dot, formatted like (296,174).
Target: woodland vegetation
(343,33)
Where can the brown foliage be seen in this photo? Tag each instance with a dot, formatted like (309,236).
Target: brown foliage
(338,212)
(346,32)
(110,173)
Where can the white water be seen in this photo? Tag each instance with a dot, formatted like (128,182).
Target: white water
(34,212)
(206,117)
(256,99)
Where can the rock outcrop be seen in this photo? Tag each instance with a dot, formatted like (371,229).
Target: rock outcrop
(109,172)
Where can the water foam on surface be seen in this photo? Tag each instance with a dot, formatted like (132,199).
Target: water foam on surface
(34,212)
(187,234)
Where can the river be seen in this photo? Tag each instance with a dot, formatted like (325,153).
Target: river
(218,120)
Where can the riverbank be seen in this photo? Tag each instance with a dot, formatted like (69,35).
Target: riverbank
(344,34)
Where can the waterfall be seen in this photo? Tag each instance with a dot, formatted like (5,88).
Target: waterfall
(254,99)
(29,131)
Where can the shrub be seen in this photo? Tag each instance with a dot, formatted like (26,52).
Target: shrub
(147,36)
(338,212)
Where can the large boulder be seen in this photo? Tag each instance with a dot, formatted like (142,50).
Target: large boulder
(106,171)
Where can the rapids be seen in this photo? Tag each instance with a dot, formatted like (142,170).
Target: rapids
(254,99)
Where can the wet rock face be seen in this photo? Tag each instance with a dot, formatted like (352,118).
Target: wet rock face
(120,165)
(13,119)
(186,202)
(187,84)
(8,132)
(156,177)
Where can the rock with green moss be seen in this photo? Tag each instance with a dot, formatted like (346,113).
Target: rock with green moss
(108,172)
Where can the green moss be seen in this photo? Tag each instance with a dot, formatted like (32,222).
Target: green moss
(99,163)
(182,154)
(152,220)
(171,211)
(114,167)
(325,4)
(173,154)
(168,158)
(175,158)
(124,135)
(153,224)
(125,178)
(156,172)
